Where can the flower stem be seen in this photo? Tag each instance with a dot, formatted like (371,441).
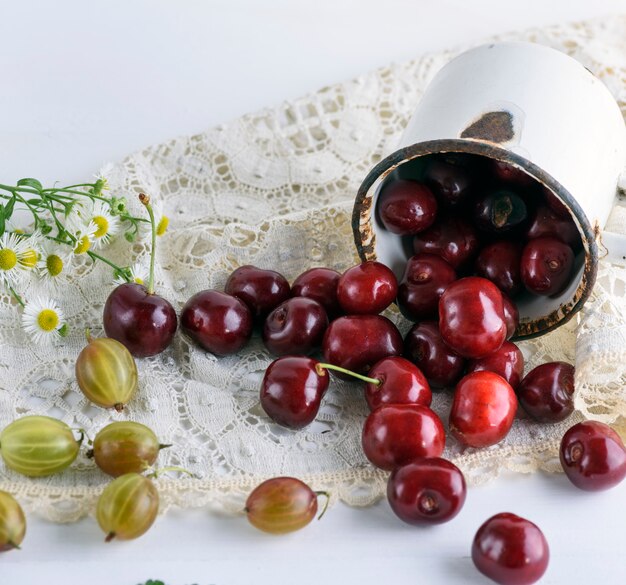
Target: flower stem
(145,199)
(17,297)
(319,368)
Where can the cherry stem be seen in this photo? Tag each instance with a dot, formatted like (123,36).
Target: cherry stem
(145,199)
(320,367)
(327,496)
(155,474)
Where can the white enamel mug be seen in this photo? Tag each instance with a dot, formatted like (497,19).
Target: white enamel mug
(534,108)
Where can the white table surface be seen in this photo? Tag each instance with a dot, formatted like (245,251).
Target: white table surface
(82,83)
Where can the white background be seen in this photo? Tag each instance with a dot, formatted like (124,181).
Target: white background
(82,83)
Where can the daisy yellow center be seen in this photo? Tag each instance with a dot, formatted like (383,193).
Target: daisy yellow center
(54,265)
(29,259)
(162,225)
(47,320)
(18,231)
(102,223)
(138,280)
(8,259)
(82,245)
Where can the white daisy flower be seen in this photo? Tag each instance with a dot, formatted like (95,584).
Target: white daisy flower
(43,320)
(107,224)
(161,222)
(53,264)
(16,256)
(139,274)
(83,233)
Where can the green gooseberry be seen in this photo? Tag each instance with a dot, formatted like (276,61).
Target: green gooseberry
(12,522)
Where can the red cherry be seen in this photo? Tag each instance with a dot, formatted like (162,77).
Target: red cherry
(145,323)
(453,239)
(511,315)
(424,346)
(507,173)
(367,289)
(296,326)
(507,362)
(292,390)
(449,179)
(547,392)
(471,317)
(218,322)
(547,223)
(500,212)
(500,263)
(262,290)
(546,266)
(593,456)
(319,284)
(400,382)
(425,278)
(397,434)
(555,204)
(510,550)
(483,409)
(428,491)
(407,207)
(356,342)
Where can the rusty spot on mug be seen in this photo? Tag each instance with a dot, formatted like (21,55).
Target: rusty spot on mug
(492,126)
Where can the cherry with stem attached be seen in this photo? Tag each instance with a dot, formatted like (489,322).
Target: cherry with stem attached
(135,316)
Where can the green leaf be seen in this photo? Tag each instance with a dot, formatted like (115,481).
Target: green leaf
(2,222)
(8,209)
(34,183)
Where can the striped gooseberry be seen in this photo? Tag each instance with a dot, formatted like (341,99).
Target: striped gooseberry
(12,522)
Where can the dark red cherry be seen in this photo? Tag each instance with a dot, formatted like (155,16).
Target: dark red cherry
(292,390)
(145,323)
(500,263)
(319,284)
(510,550)
(219,323)
(357,342)
(407,207)
(593,456)
(547,223)
(511,315)
(296,326)
(507,362)
(428,491)
(471,317)
(546,266)
(500,212)
(483,409)
(453,239)
(509,174)
(400,382)
(397,434)
(423,346)
(555,204)
(449,179)
(262,290)
(547,392)
(425,278)
(367,289)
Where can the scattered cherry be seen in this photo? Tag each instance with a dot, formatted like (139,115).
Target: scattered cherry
(296,326)
(453,239)
(471,317)
(319,284)
(483,409)
(500,212)
(548,223)
(397,434)
(357,342)
(425,278)
(367,288)
(218,322)
(430,490)
(593,456)
(407,207)
(510,550)
(547,392)
(500,263)
(424,346)
(262,290)
(398,381)
(449,179)
(511,315)
(292,390)
(546,266)
(507,361)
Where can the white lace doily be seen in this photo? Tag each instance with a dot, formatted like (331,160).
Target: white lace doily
(275,189)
